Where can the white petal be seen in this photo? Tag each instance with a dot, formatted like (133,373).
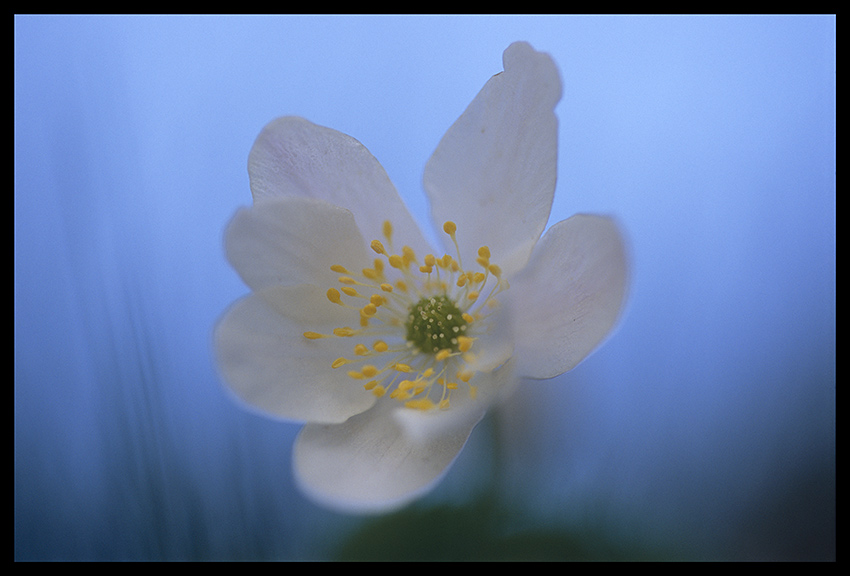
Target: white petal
(294,157)
(493,173)
(368,463)
(569,296)
(268,363)
(291,241)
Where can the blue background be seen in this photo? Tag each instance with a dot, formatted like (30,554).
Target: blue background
(705,425)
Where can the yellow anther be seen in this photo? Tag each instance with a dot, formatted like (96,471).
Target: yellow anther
(378,247)
(400,394)
(406,385)
(396,261)
(468,317)
(451,385)
(333,296)
(370,274)
(380,346)
(465,375)
(450,228)
(430,260)
(313,335)
(420,404)
(472,296)
(445,261)
(361,350)
(339,269)
(444,404)
(461,280)
(484,252)
(408,255)
(379,265)
(377,299)
(478,277)
(339,362)
(426,269)
(370,384)
(442,355)
(428,373)
(355,374)
(399,367)
(401,285)
(343,332)
(495,270)
(379,391)
(388,230)
(369,370)
(347,280)
(387,287)
(464,343)
(349,291)
(369,310)
(483,262)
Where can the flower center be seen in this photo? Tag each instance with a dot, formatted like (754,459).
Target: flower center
(434,324)
(418,324)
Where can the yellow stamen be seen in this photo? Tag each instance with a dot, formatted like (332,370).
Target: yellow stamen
(333,296)
(313,335)
(378,247)
(380,346)
(420,404)
(339,269)
(464,343)
(339,362)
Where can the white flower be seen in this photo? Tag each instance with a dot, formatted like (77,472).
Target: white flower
(392,350)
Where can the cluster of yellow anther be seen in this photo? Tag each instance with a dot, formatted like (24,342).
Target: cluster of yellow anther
(417,321)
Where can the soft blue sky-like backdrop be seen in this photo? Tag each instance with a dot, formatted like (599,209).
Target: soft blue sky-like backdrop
(705,424)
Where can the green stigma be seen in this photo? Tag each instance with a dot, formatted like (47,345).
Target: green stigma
(434,324)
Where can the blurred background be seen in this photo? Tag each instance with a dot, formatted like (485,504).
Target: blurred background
(703,429)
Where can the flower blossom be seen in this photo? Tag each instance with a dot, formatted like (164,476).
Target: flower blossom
(391,350)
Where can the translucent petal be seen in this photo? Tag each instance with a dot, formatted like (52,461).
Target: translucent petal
(294,157)
(288,241)
(268,363)
(569,296)
(493,173)
(369,464)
